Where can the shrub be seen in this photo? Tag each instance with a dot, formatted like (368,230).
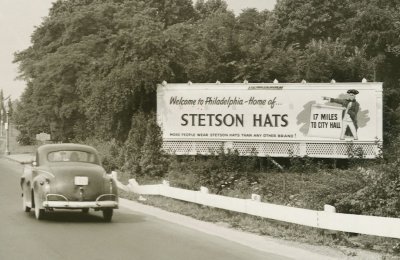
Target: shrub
(110,153)
(380,196)
(153,161)
(134,143)
(25,139)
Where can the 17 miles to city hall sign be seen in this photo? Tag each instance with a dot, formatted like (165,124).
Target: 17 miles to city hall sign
(281,112)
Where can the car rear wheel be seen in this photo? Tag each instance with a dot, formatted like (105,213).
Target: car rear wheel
(39,213)
(107,214)
(24,206)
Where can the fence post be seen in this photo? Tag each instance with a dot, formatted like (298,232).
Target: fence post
(256,197)
(204,190)
(329,209)
(114,175)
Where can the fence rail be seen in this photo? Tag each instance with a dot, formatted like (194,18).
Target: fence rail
(326,219)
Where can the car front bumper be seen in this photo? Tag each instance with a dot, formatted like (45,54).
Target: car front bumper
(66,204)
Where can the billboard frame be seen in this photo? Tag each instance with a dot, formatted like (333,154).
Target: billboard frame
(274,148)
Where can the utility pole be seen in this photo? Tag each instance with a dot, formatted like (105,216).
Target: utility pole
(1,112)
(1,120)
(6,127)
(7,152)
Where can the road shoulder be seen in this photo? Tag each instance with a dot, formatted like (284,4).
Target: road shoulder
(262,243)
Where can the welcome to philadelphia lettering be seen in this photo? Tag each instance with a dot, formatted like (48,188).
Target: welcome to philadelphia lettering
(230,119)
(230,101)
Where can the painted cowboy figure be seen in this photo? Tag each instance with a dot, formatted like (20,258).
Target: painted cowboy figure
(349,123)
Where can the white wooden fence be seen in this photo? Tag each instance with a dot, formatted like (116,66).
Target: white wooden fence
(327,219)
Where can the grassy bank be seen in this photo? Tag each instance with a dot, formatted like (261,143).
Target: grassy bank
(306,183)
(347,242)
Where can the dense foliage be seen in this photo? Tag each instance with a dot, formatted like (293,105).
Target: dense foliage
(93,67)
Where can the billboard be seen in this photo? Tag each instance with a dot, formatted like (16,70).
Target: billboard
(269,113)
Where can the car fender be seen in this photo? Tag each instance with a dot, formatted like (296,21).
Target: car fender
(26,176)
(110,185)
(38,191)
(25,183)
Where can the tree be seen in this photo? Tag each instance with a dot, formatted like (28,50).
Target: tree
(153,162)
(301,21)
(2,108)
(61,51)
(375,28)
(93,64)
(134,144)
(172,12)
(323,61)
(26,117)
(207,8)
(216,48)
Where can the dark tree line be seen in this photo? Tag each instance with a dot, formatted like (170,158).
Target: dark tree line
(93,65)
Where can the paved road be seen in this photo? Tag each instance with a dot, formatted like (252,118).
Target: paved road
(73,235)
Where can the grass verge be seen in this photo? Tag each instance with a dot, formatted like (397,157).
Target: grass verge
(389,248)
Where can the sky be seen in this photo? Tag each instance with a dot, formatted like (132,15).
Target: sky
(18,19)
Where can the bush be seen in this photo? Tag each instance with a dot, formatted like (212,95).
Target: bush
(221,172)
(134,143)
(142,151)
(380,196)
(153,161)
(25,139)
(307,183)
(110,153)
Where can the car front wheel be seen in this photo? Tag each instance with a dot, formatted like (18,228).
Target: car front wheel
(107,214)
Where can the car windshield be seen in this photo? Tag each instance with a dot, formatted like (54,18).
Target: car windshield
(72,156)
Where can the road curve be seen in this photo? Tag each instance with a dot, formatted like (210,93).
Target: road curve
(131,235)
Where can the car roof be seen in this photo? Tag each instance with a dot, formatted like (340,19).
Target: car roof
(65,147)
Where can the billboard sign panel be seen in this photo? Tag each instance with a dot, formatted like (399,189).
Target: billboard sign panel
(265,113)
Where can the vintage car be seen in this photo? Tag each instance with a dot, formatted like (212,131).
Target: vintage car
(68,176)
